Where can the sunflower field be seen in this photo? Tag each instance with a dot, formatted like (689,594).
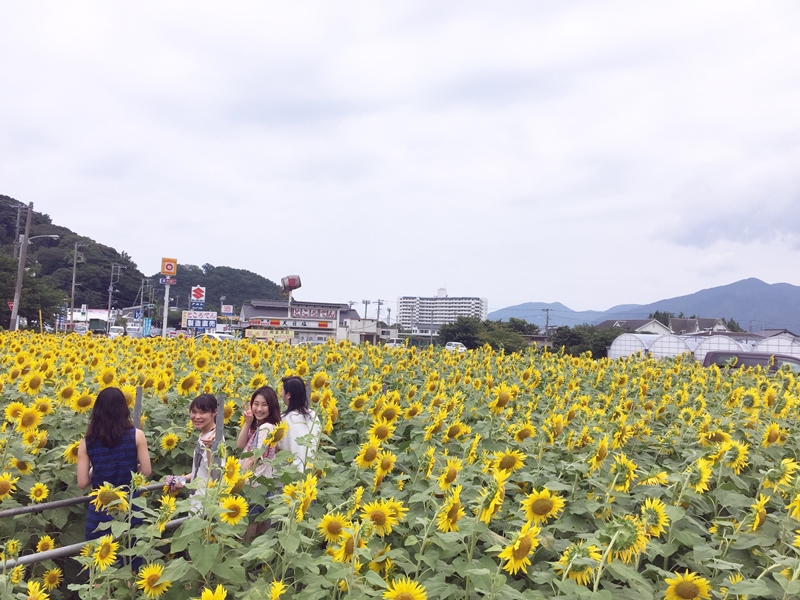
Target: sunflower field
(438,475)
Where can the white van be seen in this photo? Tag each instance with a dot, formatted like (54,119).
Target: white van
(115,331)
(395,343)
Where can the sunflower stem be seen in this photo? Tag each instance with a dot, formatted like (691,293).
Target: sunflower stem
(603,560)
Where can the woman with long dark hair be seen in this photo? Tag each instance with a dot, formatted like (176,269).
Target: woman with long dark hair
(301,421)
(111,451)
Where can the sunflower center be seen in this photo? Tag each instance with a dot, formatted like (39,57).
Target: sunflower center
(234,511)
(108,378)
(508,462)
(382,432)
(542,506)
(370,453)
(5,487)
(404,596)
(106,497)
(389,414)
(359,403)
(452,514)
(104,551)
(523,434)
(386,464)
(454,431)
(522,548)
(378,517)
(84,401)
(27,420)
(687,590)
(772,437)
(334,528)
(602,452)
(502,399)
(451,475)
(152,579)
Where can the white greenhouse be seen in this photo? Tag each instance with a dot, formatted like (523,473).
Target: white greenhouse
(779,344)
(667,346)
(718,343)
(631,343)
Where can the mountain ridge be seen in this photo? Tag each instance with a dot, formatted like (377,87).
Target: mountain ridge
(754,304)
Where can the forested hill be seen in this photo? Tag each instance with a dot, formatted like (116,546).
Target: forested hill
(48,277)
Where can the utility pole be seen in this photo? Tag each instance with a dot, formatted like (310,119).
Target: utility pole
(366,304)
(16,235)
(72,297)
(115,270)
(546,311)
(379,303)
(389,316)
(23,253)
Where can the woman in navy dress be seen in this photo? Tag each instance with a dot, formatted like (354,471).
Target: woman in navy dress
(112,449)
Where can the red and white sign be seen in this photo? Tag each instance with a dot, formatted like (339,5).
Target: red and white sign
(227,309)
(200,314)
(10,306)
(198,294)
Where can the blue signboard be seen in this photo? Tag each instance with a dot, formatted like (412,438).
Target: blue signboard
(146,325)
(197,305)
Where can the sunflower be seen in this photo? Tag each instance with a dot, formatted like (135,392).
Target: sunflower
(29,419)
(384,463)
(758,512)
(189,384)
(201,361)
(39,492)
(523,432)
(110,499)
(517,552)
(492,496)
(624,472)
(231,470)
(150,580)
(359,403)
(17,574)
(450,472)
(44,406)
(381,429)
(600,455)
(25,467)
(319,381)
(228,410)
(502,396)
(654,517)
(451,512)
(276,435)
(699,475)
(52,579)
(510,460)
(347,547)
(219,593)
(733,455)
(332,526)
(45,543)
(14,411)
(381,517)
(582,572)
(276,589)
(71,452)
(542,506)
(32,383)
(169,442)
(773,434)
(405,589)
(35,591)
(660,478)
(234,509)
(106,552)
(782,475)
(689,586)
(7,485)
(107,377)
(628,536)
(82,402)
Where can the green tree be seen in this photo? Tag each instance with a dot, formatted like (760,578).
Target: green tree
(521,326)
(662,316)
(467,330)
(733,325)
(583,338)
(500,338)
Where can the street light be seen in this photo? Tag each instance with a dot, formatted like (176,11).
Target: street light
(23,254)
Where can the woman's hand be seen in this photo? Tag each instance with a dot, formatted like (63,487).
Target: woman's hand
(248,414)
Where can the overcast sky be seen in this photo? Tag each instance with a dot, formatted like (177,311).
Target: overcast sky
(592,153)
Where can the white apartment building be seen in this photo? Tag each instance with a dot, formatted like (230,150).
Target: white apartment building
(413,311)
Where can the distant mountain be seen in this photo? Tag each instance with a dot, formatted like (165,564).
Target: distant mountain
(755,305)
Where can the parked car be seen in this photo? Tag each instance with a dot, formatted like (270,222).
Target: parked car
(215,335)
(134,331)
(395,343)
(115,331)
(455,347)
(80,329)
(744,360)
